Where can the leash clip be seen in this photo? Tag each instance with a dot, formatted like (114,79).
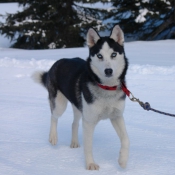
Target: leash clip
(133,99)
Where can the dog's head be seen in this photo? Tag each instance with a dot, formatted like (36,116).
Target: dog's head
(107,57)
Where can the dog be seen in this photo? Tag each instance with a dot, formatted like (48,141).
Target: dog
(94,88)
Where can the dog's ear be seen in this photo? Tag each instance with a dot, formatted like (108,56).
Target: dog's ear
(92,37)
(117,35)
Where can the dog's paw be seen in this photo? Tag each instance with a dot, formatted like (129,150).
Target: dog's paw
(74,145)
(53,138)
(92,166)
(123,158)
(122,163)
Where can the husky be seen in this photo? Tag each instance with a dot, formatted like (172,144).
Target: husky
(94,88)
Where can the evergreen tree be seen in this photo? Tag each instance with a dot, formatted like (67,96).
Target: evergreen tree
(145,19)
(50,24)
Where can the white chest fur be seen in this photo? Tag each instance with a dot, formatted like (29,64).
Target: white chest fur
(106,104)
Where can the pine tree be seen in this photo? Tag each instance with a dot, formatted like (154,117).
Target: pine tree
(47,24)
(145,19)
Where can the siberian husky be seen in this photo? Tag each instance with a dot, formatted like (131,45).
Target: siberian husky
(94,88)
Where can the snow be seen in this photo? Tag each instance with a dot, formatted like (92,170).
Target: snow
(140,18)
(26,21)
(96,5)
(25,116)
(167,2)
(143,12)
(52,45)
(144,1)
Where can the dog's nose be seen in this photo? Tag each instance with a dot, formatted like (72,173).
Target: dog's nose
(108,72)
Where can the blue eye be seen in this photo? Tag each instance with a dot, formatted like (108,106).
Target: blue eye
(99,56)
(113,55)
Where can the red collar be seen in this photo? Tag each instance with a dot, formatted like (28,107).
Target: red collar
(113,88)
(109,88)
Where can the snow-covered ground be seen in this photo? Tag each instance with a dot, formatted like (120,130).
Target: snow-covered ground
(25,116)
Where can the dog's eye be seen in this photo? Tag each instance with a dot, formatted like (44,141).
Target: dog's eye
(113,55)
(99,56)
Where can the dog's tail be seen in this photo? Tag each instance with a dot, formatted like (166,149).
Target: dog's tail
(40,77)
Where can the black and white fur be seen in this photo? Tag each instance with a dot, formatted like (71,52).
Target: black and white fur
(76,80)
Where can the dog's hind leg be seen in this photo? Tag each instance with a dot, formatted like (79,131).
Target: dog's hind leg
(119,125)
(75,125)
(58,106)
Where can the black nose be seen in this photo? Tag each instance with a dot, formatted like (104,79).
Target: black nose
(108,72)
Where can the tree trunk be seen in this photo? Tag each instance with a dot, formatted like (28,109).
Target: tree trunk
(162,27)
(165,24)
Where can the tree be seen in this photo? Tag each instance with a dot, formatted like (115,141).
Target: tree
(47,24)
(145,19)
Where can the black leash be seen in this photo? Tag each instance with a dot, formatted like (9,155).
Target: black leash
(145,106)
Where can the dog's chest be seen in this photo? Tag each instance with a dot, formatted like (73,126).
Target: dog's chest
(108,108)
(104,107)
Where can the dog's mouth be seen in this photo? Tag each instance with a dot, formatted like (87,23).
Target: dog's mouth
(108,76)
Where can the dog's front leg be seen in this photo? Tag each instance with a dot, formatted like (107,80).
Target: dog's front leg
(88,130)
(119,125)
